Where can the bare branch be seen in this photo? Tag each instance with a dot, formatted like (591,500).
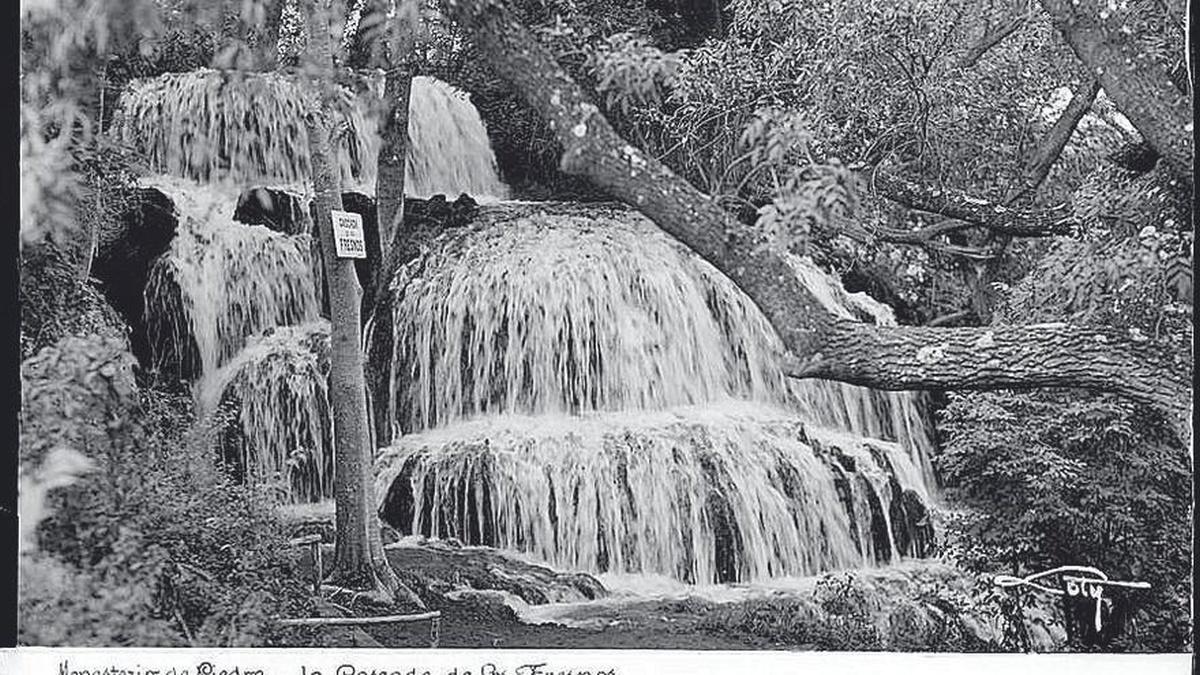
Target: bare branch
(994,216)
(991,39)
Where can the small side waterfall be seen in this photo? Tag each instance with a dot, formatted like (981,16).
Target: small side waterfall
(277,390)
(222,281)
(223,126)
(222,284)
(212,133)
(449,152)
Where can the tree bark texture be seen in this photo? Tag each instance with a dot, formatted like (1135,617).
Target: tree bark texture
(396,245)
(1000,218)
(1010,357)
(359,560)
(979,358)
(1141,87)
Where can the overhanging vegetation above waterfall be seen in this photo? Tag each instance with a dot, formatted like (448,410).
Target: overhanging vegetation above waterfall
(236,126)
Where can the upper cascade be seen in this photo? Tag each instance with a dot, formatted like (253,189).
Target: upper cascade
(246,128)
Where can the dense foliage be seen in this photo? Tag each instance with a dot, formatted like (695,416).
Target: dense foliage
(929,608)
(142,523)
(1070,477)
(782,112)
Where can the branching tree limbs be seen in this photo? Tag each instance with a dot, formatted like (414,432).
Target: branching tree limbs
(994,36)
(1141,87)
(821,344)
(1001,218)
(1034,173)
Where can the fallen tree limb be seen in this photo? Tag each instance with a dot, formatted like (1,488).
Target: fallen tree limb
(998,217)
(1008,357)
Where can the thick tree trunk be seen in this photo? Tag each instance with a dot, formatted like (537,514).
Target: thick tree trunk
(359,560)
(591,148)
(1010,357)
(1141,87)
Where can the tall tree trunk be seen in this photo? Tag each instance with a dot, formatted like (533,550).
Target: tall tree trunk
(389,193)
(994,358)
(359,560)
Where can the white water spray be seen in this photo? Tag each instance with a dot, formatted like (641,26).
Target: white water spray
(222,281)
(587,390)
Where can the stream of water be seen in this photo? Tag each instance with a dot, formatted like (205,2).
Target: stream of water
(571,383)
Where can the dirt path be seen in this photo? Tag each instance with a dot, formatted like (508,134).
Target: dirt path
(473,624)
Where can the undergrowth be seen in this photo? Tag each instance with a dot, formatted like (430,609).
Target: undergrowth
(154,546)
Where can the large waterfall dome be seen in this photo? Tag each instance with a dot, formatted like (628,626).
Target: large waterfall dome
(575,384)
(560,308)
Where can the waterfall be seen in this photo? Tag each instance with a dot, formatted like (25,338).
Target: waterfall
(448,148)
(277,390)
(224,126)
(572,383)
(579,386)
(221,281)
(211,125)
(222,284)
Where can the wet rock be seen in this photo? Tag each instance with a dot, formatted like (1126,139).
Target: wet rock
(434,568)
(912,525)
(476,529)
(274,209)
(126,251)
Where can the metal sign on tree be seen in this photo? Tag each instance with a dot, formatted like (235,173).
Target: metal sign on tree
(348,235)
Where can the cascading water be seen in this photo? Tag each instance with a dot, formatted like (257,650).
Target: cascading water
(575,385)
(448,148)
(581,387)
(277,386)
(221,282)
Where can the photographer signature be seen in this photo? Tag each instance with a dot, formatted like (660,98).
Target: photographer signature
(1091,586)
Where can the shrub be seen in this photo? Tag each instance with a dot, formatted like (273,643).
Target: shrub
(56,302)
(155,546)
(913,608)
(1058,478)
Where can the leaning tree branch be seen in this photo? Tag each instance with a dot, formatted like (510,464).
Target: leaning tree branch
(1002,220)
(1140,86)
(884,358)
(1033,174)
